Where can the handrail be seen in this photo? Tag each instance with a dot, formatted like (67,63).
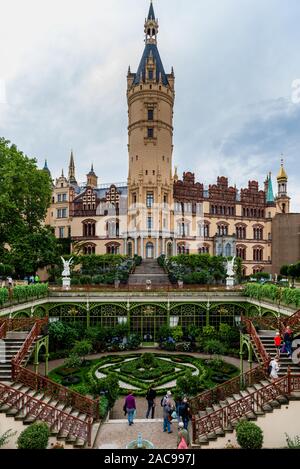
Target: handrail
(224,417)
(224,390)
(39,382)
(23,351)
(257,342)
(57,391)
(3,329)
(52,415)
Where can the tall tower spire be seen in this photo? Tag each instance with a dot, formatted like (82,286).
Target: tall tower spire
(151,27)
(282,199)
(71,174)
(150,97)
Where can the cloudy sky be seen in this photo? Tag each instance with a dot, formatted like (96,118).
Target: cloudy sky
(63,66)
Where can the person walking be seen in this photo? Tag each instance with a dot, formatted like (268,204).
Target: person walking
(167,409)
(184,412)
(277,342)
(130,407)
(274,367)
(150,396)
(288,339)
(36,278)
(183,433)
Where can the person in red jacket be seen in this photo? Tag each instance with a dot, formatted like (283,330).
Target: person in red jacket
(277,342)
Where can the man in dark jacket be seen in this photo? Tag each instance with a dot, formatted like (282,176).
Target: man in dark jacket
(150,396)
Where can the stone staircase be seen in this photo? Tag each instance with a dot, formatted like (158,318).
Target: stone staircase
(38,398)
(149,270)
(250,415)
(267,339)
(13,342)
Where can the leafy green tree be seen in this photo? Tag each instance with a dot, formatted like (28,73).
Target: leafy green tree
(284,270)
(25,194)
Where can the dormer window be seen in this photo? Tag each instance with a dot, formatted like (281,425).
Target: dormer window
(150,74)
(150,114)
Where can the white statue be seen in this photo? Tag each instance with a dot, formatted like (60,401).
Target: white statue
(66,271)
(230,267)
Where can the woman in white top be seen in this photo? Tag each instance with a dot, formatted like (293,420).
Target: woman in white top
(275,368)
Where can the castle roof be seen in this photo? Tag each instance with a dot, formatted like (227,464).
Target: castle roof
(140,75)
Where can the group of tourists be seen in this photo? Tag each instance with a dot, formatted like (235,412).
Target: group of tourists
(283,344)
(173,412)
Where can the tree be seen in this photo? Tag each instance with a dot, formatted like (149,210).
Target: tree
(36,436)
(25,194)
(294,272)
(82,348)
(284,270)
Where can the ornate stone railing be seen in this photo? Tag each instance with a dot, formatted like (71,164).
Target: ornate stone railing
(222,391)
(57,419)
(225,417)
(256,341)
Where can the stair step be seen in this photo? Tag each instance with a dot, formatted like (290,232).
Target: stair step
(275,404)
(237,397)
(212,436)
(203,440)
(257,386)
(251,416)
(80,443)
(267,408)
(282,399)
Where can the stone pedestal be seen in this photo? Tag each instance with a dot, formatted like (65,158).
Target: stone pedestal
(66,283)
(230,282)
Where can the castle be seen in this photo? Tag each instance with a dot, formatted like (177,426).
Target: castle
(156,212)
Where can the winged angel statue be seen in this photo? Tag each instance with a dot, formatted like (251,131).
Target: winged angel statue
(230,267)
(66,271)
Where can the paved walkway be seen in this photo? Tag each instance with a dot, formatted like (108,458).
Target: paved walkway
(116,434)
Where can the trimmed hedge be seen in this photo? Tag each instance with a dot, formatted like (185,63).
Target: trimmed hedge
(289,296)
(36,436)
(249,435)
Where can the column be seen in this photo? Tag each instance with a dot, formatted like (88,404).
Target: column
(156,248)
(174,248)
(142,247)
(125,246)
(135,245)
(163,245)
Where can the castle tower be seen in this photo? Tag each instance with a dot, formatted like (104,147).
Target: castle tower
(282,199)
(150,96)
(71,175)
(92,179)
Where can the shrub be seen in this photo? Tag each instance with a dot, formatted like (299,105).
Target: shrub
(72,361)
(209,332)
(177,333)
(36,436)
(249,435)
(82,348)
(103,407)
(4,438)
(214,346)
(292,443)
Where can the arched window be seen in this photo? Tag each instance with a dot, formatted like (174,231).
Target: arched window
(183,248)
(112,228)
(203,230)
(89,249)
(258,254)
(228,250)
(129,249)
(149,250)
(203,249)
(222,229)
(241,232)
(241,252)
(112,248)
(89,228)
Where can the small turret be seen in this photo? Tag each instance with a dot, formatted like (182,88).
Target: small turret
(282,199)
(92,179)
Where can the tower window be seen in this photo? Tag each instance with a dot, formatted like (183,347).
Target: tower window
(136,157)
(150,132)
(150,74)
(150,114)
(146,172)
(149,222)
(150,199)
(153,172)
